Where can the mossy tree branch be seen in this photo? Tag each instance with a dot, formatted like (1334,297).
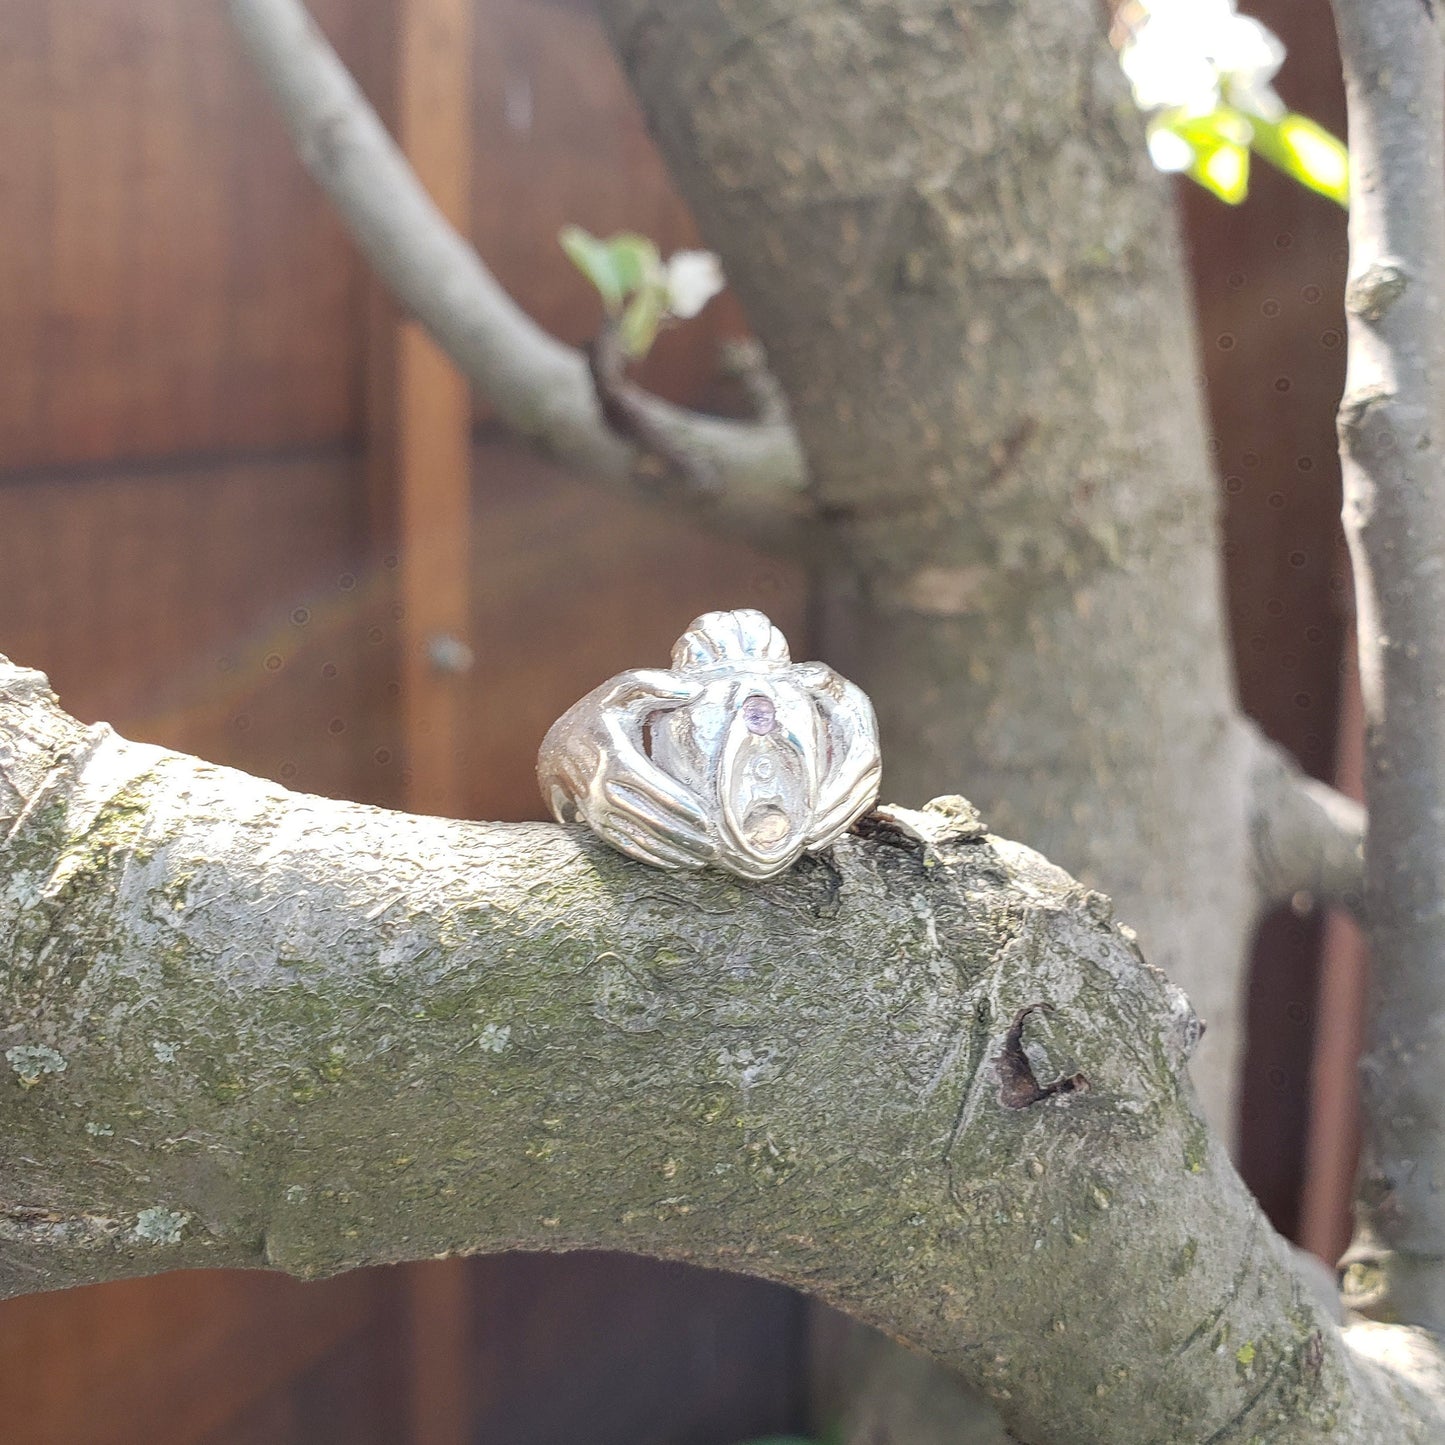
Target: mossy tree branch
(245,1027)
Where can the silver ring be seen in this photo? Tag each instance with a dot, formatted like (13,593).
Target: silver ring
(737,757)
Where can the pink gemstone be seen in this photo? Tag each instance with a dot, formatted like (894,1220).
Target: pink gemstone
(758,714)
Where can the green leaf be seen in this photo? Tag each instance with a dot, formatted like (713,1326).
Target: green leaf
(636,261)
(1223,170)
(1224,126)
(638,328)
(593,258)
(1220,143)
(617,267)
(1306,151)
(1211,149)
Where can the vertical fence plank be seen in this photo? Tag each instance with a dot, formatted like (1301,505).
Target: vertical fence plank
(419,432)
(419,443)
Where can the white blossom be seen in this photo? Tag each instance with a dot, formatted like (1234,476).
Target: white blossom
(1168,151)
(1196,55)
(693,279)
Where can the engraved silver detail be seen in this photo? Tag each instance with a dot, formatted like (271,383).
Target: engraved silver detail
(736,757)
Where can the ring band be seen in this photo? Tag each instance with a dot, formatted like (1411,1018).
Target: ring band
(736,757)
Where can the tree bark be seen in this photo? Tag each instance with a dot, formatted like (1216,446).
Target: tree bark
(1392,419)
(244,1027)
(944,227)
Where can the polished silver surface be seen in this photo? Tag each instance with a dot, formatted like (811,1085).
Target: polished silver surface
(735,757)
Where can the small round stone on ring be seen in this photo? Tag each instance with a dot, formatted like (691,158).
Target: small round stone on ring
(735,757)
(759,714)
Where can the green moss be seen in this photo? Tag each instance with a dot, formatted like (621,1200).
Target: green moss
(118,830)
(332,1065)
(445,1006)
(767,1163)
(301,967)
(69,877)
(711,1105)
(34,849)
(1196,1144)
(174,959)
(666,962)
(1184,1261)
(175,892)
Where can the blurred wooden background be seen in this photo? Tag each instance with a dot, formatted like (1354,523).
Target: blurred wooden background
(238,500)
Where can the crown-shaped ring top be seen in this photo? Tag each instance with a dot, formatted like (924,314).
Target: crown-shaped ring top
(736,757)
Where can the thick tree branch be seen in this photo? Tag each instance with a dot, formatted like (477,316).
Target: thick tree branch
(1307,837)
(245,1027)
(538,385)
(1391,424)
